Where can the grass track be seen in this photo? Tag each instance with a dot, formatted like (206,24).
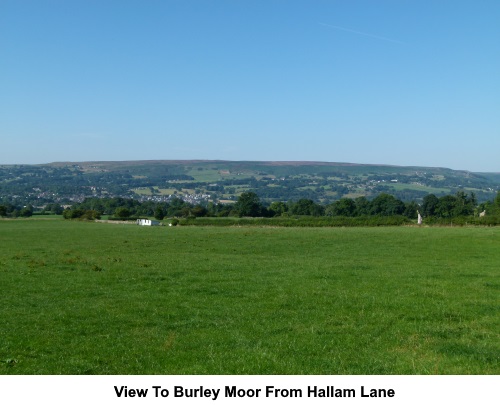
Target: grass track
(90,298)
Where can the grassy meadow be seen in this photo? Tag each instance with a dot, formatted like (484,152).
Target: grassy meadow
(97,298)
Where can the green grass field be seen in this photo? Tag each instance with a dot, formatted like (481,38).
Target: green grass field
(94,298)
(416,187)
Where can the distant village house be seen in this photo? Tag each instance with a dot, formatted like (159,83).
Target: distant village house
(147,222)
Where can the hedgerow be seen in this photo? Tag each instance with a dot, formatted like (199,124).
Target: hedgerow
(305,221)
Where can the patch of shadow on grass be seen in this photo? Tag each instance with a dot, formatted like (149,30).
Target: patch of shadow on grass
(470,275)
(19,256)
(456,317)
(220,292)
(485,309)
(326,277)
(483,355)
(169,341)
(448,333)
(95,267)
(74,260)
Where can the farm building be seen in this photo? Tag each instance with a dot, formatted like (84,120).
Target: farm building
(147,222)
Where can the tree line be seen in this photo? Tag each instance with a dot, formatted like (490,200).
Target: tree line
(9,210)
(449,206)
(249,204)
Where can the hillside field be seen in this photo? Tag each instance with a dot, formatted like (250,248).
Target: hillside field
(96,298)
(213,181)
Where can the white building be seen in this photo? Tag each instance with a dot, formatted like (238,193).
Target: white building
(147,222)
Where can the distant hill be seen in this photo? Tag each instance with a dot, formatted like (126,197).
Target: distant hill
(217,180)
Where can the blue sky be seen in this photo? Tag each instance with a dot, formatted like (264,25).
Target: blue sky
(382,82)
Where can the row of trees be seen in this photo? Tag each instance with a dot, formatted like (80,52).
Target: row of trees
(249,205)
(384,204)
(8,209)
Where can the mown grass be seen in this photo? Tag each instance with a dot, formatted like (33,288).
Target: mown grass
(92,298)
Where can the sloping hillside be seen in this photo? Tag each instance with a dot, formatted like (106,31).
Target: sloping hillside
(224,180)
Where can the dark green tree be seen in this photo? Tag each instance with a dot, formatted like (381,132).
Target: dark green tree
(486,206)
(473,199)
(159,213)
(248,205)
(26,211)
(362,206)
(122,212)
(277,208)
(386,205)
(345,207)
(199,211)
(411,209)
(54,208)
(429,205)
(90,215)
(464,205)
(446,207)
(496,204)
(73,213)
(306,206)
(175,207)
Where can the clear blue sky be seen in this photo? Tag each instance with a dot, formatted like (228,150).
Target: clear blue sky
(390,81)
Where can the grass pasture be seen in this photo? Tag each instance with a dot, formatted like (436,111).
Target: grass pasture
(94,298)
